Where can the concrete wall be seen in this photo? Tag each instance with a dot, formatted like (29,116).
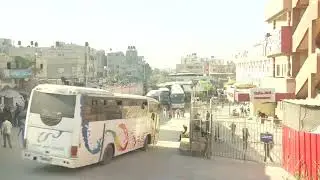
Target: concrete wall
(267,108)
(299,117)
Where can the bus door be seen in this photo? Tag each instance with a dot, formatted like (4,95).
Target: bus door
(155,119)
(157,128)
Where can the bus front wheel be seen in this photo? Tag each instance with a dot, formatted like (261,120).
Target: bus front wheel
(108,154)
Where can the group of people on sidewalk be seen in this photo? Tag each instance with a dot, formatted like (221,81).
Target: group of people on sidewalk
(8,121)
(178,113)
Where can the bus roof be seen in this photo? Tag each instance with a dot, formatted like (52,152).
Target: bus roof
(163,89)
(176,89)
(153,93)
(72,90)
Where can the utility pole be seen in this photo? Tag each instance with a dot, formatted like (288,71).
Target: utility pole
(85,63)
(144,80)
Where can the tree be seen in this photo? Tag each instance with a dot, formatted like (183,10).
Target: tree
(158,76)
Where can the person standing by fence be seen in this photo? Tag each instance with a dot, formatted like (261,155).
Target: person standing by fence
(233,127)
(245,137)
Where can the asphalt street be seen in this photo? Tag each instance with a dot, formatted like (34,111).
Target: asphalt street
(162,162)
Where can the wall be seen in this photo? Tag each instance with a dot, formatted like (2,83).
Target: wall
(300,117)
(301,153)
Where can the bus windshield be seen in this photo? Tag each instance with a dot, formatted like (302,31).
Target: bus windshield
(164,96)
(177,98)
(53,104)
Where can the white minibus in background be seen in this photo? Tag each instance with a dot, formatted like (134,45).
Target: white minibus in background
(74,126)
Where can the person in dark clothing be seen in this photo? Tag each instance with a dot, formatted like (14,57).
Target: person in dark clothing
(16,114)
(267,148)
(184,132)
(245,137)
(233,127)
(7,113)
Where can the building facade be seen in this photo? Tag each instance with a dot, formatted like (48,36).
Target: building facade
(128,67)
(71,61)
(191,63)
(294,28)
(252,66)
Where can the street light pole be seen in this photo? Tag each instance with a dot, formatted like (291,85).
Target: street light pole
(85,63)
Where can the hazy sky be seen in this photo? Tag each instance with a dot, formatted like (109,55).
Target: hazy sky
(162,30)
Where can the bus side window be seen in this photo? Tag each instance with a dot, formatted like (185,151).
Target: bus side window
(110,110)
(144,105)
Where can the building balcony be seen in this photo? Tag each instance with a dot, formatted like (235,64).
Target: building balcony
(308,26)
(299,3)
(279,42)
(276,8)
(281,85)
(308,77)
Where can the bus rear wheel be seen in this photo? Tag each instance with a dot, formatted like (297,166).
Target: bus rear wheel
(108,155)
(146,143)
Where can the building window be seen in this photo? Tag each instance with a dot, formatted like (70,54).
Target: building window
(285,70)
(278,70)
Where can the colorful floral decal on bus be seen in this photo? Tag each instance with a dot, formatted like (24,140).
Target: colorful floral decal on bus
(121,146)
(121,138)
(85,131)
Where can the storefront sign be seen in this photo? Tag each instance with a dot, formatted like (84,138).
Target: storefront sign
(20,73)
(262,94)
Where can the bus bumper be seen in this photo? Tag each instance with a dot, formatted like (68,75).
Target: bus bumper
(69,163)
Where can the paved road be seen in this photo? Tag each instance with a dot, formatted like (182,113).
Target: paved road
(159,163)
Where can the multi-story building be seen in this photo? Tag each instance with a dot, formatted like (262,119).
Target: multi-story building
(220,68)
(252,66)
(116,63)
(294,28)
(127,66)
(101,63)
(214,68)
(71,61)
(190,64)
(5,44)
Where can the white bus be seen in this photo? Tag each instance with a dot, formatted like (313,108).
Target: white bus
(75,126)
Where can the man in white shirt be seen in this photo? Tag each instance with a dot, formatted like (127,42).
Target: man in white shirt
(6,133)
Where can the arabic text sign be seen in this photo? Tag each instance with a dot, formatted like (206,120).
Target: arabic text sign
(262,94)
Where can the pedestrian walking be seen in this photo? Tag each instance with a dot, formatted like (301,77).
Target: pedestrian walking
(267,139)
(178,113)
(6,133)
(165,113)
(16,114)
(267,149)
(233,127)
(22,120)
(245,137)
(7,114)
